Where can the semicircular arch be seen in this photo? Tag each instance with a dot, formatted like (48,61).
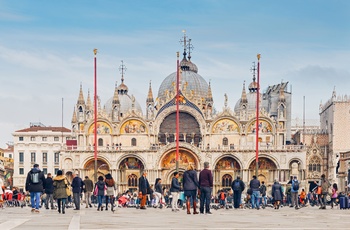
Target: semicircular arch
(133,126)
(265,125)
(228,162)
(264,162)
(131,161)
(186,157)
(225,124)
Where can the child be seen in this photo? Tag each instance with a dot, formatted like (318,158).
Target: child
(302,197)
(334,194)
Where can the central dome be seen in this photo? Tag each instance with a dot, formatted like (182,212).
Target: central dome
(190,83)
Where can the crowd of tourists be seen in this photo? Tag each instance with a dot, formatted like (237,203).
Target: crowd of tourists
(57,193)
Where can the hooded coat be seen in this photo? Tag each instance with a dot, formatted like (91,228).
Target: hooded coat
(37,187)
(60,184)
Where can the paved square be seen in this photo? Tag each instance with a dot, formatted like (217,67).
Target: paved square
(131,218)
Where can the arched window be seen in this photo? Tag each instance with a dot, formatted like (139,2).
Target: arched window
(132,180)
(100,142)
(133,142)
(225,141)
(226,180)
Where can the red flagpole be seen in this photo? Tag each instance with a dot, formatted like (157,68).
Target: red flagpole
(257,120)
(95,115)
(177,111)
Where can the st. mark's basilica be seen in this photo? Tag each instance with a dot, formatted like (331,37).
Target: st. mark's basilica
(131,140)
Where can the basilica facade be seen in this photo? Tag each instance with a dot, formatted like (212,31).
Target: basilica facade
(131,140)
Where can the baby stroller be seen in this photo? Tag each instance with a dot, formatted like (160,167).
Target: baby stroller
(123,201)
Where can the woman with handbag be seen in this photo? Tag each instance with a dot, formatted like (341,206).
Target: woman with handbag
(100,192)
(61,186)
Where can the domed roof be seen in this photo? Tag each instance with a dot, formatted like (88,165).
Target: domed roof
(125,104)
(190,81)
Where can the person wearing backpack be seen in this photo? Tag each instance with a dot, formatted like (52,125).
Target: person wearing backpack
(237,188)
(263,193)
(35,185)
(294,192)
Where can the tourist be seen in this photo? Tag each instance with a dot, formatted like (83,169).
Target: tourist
(277,194)
(77,188)
(294,192)
(35,185)
(158,190)
(49,191)
(88,187)
(190,186)
(237,188)
(111,190)
(61,185)
(144,189)
(175,189)
(334,194)
(262,190)
(99,192)
(254,186)
(206,188)
(324,184)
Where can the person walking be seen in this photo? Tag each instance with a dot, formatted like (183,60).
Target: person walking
(237,188)
(254,186)
(190,185)
(277,194)
(77,188)
(88,187)
(158,193)
(60,185)
(49,191)
(206,188)
(35,183)
(175,189)
(144,189)
(100,191)
(324,184)
(111,190)
(294,192)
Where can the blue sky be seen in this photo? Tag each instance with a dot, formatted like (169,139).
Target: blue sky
(46,51)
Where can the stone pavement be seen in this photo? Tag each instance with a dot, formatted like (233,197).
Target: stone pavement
(131,218)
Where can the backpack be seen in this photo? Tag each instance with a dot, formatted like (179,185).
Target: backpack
(263,190)
(34,177)
(296,185)
(236,186)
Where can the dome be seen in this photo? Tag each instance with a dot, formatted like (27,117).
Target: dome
(189,81)
(125,104)
(251,105)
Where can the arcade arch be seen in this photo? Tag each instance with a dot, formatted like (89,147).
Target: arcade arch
(102,168)
(129,172)
(267,170)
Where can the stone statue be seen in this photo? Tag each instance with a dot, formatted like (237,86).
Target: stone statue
(225,95)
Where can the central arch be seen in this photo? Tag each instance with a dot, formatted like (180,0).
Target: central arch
(267,169)
(102,168)
(129,172)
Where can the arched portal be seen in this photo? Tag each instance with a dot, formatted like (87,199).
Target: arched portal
(267,169)
(168,163)
(225,170)
(130,169)
(102,168)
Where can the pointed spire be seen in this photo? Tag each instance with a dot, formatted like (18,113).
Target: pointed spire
(150,94)
(282,97)
(210,94)
(88,101)
(74,118)
(81,100)
(116,97)
(244,95)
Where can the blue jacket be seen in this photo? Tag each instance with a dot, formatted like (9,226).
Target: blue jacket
(293,181)
(175,186)
(77,185)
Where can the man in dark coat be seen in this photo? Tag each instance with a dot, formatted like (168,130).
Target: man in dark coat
(237,188)
(77,185)
(35,185)
(49,191)
(206,188)
(144,189)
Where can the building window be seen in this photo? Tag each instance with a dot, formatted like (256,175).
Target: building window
(100,142)
(225,141)
(21,171)
(56,138)
(133,142)
(226,180)
(32,138)
(10,155)
(315,164)
(132,180)
(44,158)
(44,138)
(57,158)
(21,157)
(45,171)
(20,138)
(56,169)
(32,157)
